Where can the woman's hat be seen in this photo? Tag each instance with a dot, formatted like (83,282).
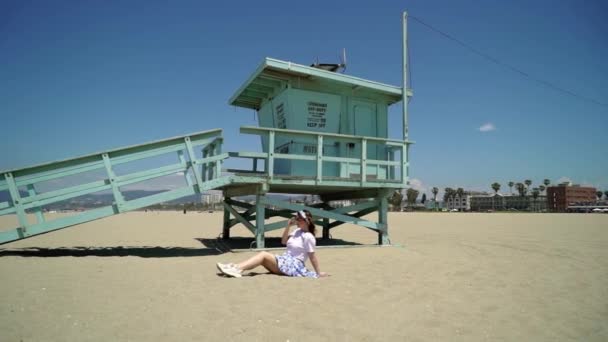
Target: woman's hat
(301,214)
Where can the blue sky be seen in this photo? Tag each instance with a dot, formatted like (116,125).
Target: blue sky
(78,77)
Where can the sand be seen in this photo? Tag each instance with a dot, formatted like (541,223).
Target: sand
(454,277)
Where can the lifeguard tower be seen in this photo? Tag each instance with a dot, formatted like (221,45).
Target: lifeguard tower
(322,132)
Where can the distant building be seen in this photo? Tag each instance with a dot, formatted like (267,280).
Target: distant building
(508,202)
(561,196)
(212,197)
(485,202)
(341,203)
(463,203)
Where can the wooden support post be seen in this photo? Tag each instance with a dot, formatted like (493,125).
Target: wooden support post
(226,228)
(204,165)
(325,228)
(383,219)
(192,157)
(218,163)
(270,159)
(319,159)
(363,171)
(16,198)
(259,221)
(119,200)
(404,165)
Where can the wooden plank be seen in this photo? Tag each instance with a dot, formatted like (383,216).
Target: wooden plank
(354,194)
(334,136)
(275,225)
(240,218)
(197,138)
(62,195)
(321,213)
(59,173)
(258,155)
(6,211)
(342,160)
(357,214)
(64,222)
(294,156)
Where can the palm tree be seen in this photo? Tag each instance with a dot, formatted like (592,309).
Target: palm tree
(495,187)
(535,194)
(435,191)
(395,200)
(528,183)
(546,182)
(521,189)
(511,187)
(411,195)
(606,195)
(460,194)
(447,194)
(599,194)
(542,188)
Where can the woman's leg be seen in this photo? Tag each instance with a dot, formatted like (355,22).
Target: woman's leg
(264,259)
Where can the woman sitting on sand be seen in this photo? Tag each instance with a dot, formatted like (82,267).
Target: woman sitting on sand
(300,246)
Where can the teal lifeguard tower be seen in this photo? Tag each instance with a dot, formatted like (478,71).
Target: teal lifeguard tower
(322,132)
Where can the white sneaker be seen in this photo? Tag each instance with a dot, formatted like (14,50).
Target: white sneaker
(230,270)
(219,266)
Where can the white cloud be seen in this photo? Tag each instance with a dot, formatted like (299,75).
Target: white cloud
(487,127)
(564,179)
(417,184)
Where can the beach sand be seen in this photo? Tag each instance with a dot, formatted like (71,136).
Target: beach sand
(451,277)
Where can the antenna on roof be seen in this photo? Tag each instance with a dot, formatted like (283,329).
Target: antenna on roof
(343,60)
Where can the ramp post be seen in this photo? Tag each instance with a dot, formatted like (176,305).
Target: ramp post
(260,214)
(16,197)
(325,228)
(382,219)
(226,228)
(119,200)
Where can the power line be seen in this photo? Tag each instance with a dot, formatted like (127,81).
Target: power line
(508,66)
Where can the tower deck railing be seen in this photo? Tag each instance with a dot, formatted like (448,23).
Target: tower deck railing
(394,160)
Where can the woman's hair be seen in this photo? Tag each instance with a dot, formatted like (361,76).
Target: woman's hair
(311,224)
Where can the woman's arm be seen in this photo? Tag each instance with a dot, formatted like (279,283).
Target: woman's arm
(315,264)
(285,236)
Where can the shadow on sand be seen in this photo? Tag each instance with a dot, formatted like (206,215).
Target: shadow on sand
(119,251)
(248,243)
(212,247)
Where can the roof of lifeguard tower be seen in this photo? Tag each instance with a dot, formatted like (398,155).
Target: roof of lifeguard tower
(274,73)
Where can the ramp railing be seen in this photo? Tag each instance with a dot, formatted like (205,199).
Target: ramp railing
(29,203)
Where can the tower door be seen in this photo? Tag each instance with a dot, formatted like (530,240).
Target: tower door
(365,122)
